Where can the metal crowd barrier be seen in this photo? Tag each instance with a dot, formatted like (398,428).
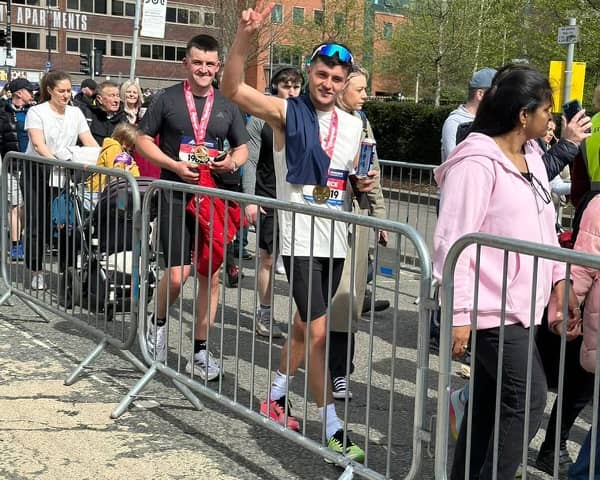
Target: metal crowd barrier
(411,197)
(511,253)
(79,255)
(380,415)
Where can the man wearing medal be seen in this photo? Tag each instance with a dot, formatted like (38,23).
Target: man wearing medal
(315,149)
(193,120)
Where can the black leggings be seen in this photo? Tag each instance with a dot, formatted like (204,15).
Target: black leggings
(37,196)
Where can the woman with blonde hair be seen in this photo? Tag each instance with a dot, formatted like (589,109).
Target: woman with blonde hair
(132,96)
(351,99)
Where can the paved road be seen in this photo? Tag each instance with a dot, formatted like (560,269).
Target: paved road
(53,432)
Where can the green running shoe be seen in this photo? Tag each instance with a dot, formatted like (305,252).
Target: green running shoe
(353,451)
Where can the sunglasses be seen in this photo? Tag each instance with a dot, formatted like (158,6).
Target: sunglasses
(331,50)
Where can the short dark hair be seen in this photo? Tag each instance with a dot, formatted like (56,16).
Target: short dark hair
(203,42)
(515,87)
(285,75)
(332,61)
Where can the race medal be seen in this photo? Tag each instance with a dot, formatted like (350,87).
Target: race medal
(321,193)
(200,154)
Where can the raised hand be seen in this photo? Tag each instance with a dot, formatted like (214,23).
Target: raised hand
(253,18)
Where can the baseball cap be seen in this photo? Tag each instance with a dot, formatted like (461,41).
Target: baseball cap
(89,83)
(482,78)
(20,84)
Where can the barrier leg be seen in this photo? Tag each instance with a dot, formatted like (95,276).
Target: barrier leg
(89,359)
(187,393)
(5,297)
(348,473)
(137,388)
(136,362)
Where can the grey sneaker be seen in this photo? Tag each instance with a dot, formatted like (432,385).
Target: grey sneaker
(37,281)
(204,366)
(156,340)
(265,324)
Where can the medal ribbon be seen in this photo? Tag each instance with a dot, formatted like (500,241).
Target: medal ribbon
(199,126)
(331,135)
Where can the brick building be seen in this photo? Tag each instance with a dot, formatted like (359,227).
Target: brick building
(56,32)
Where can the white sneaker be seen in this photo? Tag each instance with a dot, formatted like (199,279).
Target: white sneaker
(279,267)
(264,324)
(156,337)
(339,388)
(37,281)
(203,369)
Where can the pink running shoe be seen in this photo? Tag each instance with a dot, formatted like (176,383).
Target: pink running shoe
(277,413)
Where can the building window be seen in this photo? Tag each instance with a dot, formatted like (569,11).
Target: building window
(194,17)
(50,42)
(277,14)
(339,20)
(100,45)
(318,17)
(171,14)
(209,19)
(388,30)
(27,40)
(182,15)
(52,3)
(170,53)
(298,16)
(157,52)
(180,53)
(27,2)
(91,6)
(121,8)
(85,45)
(145,51)
(116,48)
(72,45)
(286,55)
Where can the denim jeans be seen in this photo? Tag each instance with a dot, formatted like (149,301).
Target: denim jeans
(580,469)
(512,405)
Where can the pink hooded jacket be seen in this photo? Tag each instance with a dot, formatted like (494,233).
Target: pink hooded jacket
(482,191)
(586,282)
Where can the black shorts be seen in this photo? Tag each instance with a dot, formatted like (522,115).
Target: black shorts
(319,298)
(177,229)
(267,226)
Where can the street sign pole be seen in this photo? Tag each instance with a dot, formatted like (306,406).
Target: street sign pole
(569,64)
(136,38)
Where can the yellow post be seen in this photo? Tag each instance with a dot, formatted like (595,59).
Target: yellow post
(557,76)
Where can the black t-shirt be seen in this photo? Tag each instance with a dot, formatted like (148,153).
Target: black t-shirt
(265,170)
(168,117)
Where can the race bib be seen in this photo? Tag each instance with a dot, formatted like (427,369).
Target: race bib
(189,151)
(337,181)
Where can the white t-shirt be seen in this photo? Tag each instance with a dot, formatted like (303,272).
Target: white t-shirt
(60,131)
(342,164)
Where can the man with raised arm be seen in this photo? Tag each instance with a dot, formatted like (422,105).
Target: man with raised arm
(315,152)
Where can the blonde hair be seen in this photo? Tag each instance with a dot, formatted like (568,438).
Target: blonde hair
(125,134)
(596,100)
(131,113)
(357,71)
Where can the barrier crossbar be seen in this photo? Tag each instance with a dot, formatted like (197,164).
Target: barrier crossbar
(246,361)
(511,252)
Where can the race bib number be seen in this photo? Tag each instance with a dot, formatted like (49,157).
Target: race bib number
(189,151)
(337,181)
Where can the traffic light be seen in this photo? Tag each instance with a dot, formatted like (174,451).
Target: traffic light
(2,38)
(98,59)
(84,63)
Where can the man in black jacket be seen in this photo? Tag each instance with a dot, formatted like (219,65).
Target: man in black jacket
(13,138)
(87,94)
(106,112)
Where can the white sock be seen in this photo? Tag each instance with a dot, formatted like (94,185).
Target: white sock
(279,385)
(333,422)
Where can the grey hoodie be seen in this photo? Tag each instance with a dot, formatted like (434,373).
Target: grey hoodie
(457,117)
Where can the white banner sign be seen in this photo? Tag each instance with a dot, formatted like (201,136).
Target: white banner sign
(8,60)
(153,18)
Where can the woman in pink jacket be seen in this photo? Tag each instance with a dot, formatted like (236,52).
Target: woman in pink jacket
(495,182)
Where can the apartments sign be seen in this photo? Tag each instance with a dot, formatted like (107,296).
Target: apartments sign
(37,17)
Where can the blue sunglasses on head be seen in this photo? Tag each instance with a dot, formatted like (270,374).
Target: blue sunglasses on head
(331,50)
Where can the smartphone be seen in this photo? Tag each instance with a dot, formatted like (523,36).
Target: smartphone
(571,108)
(221,156)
